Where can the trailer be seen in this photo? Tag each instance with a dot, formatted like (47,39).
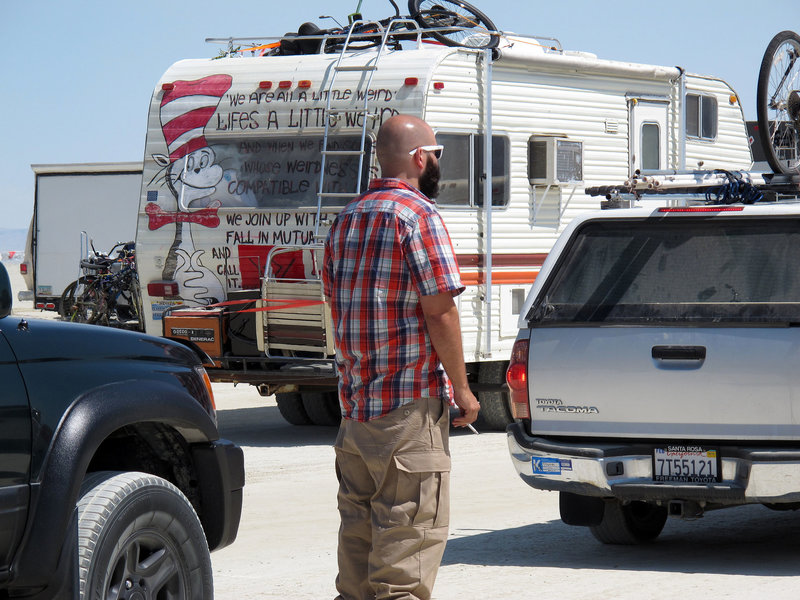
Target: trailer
(75,205)
(248,159)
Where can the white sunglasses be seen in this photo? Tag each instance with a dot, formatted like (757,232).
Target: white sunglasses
(437,150)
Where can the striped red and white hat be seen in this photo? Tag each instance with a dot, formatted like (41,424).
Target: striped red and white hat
(186,109)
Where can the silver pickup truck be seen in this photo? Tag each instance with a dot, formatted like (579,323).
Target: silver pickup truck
(657,370)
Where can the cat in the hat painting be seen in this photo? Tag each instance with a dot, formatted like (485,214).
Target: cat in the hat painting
(191,173)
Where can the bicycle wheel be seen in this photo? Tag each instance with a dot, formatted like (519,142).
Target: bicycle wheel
(67,299)
(130,313)
(470,27)
(77,302)
(778,102)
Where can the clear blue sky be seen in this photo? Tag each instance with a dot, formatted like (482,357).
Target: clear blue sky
(77,76)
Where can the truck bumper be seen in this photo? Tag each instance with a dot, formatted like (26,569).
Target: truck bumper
(220,467)
(625,471)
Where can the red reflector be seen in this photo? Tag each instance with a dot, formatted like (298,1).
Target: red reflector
(167,87)
(23,269)
(517,379)
(701,209)
(285,85)
(265,85)
(49,306)
(304,83)
(438,85)
(163,289)
(411,81)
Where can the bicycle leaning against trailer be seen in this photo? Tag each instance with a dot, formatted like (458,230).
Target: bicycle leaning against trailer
(107,293)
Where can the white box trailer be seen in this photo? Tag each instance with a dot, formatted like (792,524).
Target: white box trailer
(94,201)
(237,194)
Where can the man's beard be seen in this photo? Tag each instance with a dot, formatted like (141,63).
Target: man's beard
(429,180)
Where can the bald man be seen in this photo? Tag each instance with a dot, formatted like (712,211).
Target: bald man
(390,275)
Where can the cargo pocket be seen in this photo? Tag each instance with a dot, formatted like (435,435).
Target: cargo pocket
(422,493)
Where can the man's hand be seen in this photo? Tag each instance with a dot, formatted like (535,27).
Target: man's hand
(468,406)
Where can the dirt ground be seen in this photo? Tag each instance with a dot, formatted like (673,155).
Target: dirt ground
(506,539)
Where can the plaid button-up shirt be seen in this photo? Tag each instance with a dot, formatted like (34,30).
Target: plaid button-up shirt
(386,248)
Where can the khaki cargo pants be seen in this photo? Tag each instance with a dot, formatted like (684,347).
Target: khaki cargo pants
(394,502)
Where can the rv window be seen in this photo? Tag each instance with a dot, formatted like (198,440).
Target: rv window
(454,185)
(708,117)
(701,116)
(281,172)
(462,166)
(651,151)
(499,170)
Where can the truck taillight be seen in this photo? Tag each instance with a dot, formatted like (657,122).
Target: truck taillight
(517,379)
(23,268)
(163,289)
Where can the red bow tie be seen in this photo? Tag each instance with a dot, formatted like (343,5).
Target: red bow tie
(159,217)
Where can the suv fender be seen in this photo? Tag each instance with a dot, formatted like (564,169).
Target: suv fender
(90,419)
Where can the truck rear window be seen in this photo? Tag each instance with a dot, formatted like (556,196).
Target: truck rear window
(683,271)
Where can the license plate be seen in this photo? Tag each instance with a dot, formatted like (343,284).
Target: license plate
(686,464)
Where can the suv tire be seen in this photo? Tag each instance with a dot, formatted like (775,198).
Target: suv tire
(139,533)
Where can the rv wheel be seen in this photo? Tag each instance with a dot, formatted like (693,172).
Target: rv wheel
(322,408)
(291,408)
(495,413)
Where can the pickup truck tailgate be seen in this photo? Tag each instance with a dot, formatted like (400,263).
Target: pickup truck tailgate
(666,382)
(670,327)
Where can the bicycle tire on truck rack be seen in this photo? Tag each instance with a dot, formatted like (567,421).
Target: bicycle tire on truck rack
(778,102)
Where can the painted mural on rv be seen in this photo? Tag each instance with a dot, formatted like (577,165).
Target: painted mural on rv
(229,156)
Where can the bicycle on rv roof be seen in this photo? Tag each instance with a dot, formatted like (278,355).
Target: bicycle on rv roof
(450,22)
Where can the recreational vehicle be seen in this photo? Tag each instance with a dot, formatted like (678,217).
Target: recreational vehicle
(248,159)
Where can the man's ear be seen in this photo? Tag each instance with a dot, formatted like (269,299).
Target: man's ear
(418,159)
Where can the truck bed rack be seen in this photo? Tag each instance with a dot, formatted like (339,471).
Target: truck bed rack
(717,186)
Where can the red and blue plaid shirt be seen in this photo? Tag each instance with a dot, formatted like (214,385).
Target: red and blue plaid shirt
(386,248)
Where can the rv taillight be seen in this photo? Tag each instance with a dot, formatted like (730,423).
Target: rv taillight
(40,306)
(167,87)
(23,268)
(411,81)
(517,379)
(163,289)
(438,85)
(50,306)
(264,85)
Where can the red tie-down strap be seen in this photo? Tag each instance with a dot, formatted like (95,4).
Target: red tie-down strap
(277,304)
(207,217)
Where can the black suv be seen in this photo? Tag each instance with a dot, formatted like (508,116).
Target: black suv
(113,479)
